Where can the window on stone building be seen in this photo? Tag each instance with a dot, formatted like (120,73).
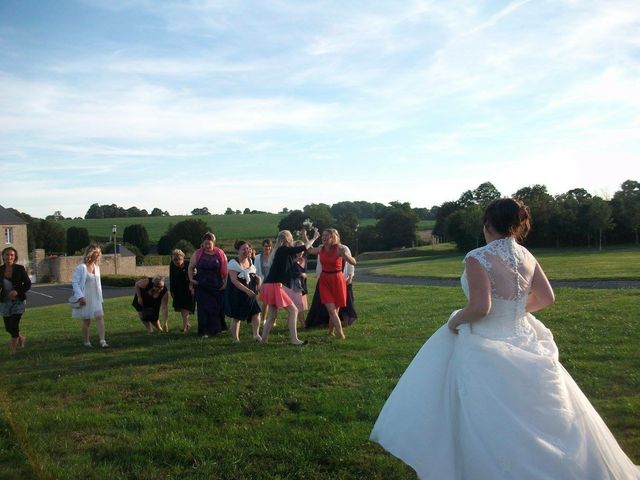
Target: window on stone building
(8,235)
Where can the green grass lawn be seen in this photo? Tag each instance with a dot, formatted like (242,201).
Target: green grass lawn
(176,407)
(559,264)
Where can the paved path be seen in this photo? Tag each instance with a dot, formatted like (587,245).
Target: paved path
(363,276)
(45,294)
(42,295)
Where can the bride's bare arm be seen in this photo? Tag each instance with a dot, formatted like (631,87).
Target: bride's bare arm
(479,302)
(541,295)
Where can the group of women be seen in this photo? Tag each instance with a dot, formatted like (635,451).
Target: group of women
(243,289)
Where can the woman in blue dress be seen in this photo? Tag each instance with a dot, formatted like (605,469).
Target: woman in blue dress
(208,278)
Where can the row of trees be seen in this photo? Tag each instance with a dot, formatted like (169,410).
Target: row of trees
(53,238)
(114,211)
(360,209)
(574,218)
(396,226)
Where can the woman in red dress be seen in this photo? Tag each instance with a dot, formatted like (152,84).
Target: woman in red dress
(331,284)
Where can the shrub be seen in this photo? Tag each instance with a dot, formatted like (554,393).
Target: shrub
(77,239)
(119,280)
(152,260)
(137,235)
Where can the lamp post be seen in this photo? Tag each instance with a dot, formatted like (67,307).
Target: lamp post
(357,225)
(114,230)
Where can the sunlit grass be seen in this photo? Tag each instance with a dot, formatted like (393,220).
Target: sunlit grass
(559,264)
(174,406)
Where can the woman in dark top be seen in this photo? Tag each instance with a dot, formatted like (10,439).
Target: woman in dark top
(15,283)
(281,273)
(183,300)
(241,294)
(151,295)
(208,277)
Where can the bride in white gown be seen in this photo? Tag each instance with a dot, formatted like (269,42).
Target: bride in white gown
(485,398)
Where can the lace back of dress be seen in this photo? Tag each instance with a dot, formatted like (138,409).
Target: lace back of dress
(510,267)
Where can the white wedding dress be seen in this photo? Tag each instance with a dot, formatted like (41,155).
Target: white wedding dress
(493,402)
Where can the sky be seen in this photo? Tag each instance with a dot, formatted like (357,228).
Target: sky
(273,104)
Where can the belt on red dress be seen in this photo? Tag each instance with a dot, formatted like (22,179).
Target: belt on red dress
(331,271)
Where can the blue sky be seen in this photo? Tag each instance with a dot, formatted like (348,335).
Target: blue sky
(265,105)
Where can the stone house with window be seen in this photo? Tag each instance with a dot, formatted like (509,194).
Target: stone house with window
(14,234)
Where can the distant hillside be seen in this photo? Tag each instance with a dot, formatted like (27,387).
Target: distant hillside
(226,227)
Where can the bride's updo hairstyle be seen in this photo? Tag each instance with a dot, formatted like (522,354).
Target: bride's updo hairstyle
(508,217)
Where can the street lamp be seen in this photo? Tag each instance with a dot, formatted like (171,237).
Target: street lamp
(114,230)
(357,225)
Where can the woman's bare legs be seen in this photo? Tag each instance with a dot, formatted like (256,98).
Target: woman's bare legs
(255,325)
(13,346)
(265,313)
(185,320)
(334,321)
(301,315)
(293,325)
(235,331)
(100,328)
(86,323)
(269,321)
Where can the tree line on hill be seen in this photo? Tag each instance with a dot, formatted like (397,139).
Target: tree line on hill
(395,227)
(574,218)
(363,210)
(114,211)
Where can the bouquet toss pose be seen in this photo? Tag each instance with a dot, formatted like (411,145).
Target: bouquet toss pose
(281,272)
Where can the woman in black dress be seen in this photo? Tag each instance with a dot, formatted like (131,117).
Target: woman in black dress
(151,296)
(183,300)
(240,296)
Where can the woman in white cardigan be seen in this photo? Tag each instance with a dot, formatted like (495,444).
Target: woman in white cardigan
(87,291)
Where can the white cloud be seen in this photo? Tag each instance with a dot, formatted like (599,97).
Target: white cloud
(412,102)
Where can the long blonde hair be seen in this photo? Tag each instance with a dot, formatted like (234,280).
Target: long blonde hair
(281,239)
(334,235)
(88,251)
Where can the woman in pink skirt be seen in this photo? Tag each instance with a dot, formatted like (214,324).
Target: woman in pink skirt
(281,273)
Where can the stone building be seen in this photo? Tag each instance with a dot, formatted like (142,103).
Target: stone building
(14,234)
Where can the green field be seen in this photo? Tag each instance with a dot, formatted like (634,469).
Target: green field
(559,264)
(175,407)
(226,227)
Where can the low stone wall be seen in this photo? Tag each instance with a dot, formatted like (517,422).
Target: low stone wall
(152,271)
(60,268)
